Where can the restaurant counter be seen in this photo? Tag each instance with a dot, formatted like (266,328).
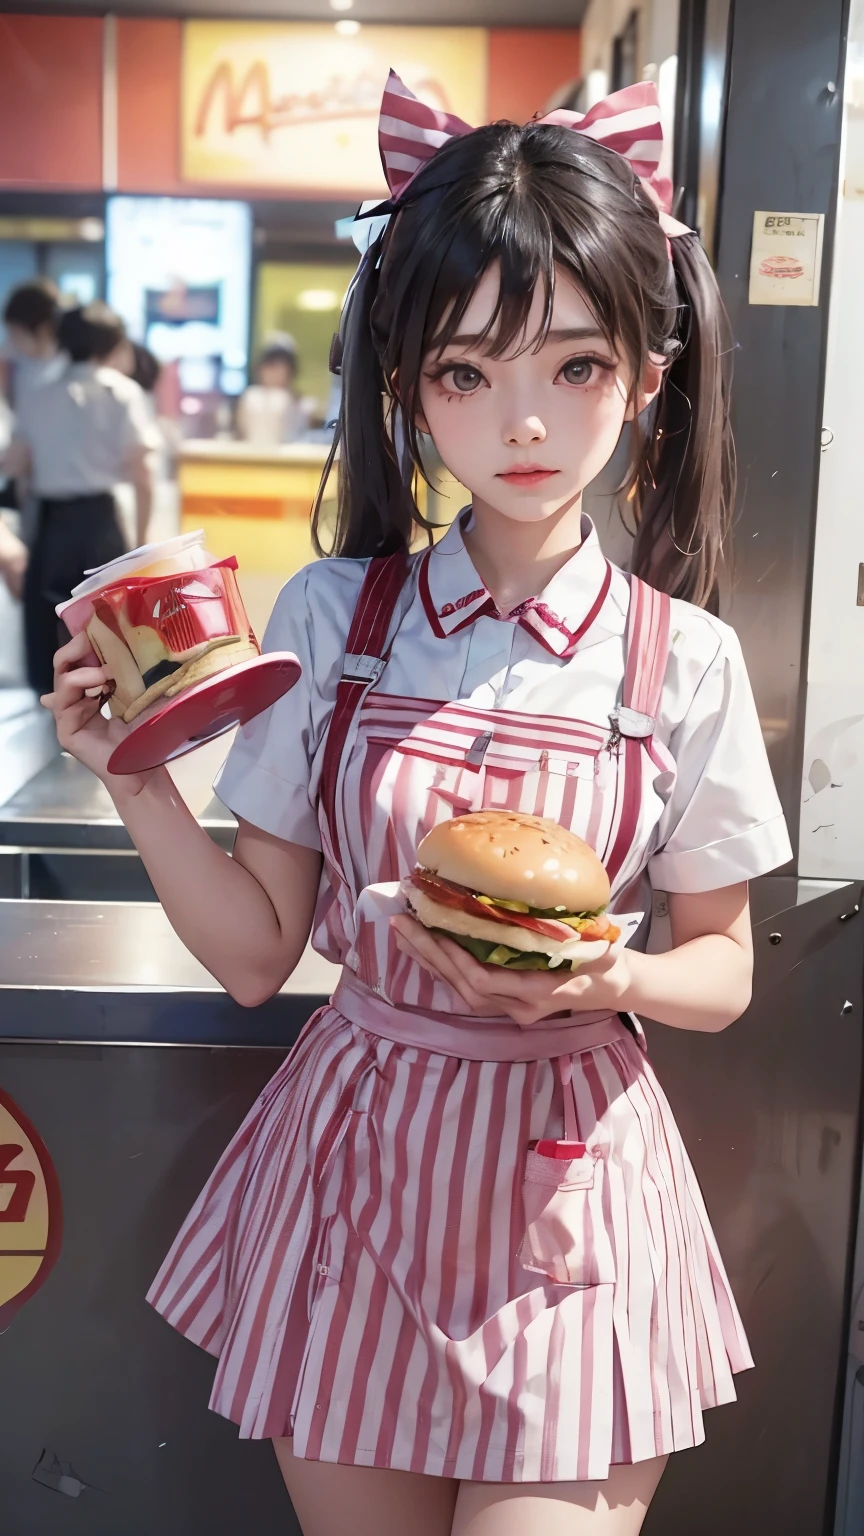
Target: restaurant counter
(116,972)
(135,1070)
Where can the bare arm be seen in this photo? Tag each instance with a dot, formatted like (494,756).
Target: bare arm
(13,559)
(246,918)
(703,983)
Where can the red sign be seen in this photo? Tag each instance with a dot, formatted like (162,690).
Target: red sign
(31,1213)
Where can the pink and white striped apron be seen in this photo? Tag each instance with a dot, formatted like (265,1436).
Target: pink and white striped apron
(354,1260)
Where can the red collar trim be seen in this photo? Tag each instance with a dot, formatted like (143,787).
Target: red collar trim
(534,615)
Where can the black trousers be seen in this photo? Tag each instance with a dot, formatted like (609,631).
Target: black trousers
(72,536)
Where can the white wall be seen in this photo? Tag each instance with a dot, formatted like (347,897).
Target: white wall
(604,19)
(658,42)
(832,808)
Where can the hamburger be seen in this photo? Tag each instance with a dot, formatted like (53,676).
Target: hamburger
(514,890)
(781,266)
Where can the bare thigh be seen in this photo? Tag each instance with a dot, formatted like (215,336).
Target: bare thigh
(334,1500)
(616,1507)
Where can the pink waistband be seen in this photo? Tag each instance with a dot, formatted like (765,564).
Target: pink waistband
(473,1039)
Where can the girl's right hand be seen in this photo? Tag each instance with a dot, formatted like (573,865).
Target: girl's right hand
(82,729)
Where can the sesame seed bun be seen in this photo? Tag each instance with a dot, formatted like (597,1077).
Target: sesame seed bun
(517,857)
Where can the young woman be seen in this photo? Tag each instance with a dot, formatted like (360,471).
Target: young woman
(353,1261)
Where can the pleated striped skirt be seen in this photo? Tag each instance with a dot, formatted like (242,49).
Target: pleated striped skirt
(352,1263)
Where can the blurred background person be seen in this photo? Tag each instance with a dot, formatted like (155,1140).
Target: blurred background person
(31,316)
(140,364)
(75,438)
(270,411)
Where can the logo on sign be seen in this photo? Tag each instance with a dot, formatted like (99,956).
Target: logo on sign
(250,103)
(296,105)
(31,1217)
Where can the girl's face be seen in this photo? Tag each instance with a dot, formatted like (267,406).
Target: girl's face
(526,432)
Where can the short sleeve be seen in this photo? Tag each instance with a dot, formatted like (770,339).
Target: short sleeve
(723,822)
(23,425)
(137,427)
(266,777)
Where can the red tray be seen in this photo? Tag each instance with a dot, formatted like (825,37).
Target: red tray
(168,730)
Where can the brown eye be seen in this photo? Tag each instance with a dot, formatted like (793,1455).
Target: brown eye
(578,371)
(463,380)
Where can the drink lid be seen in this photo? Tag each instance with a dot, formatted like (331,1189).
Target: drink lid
(187,545)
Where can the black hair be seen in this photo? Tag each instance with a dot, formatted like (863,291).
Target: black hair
(32,305)
(147,367)
(90,332)
(278,352)
(534,200)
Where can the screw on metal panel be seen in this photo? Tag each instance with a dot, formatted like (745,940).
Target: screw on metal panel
(847,1007)
(775,938)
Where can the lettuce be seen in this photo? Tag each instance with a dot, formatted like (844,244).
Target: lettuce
(572,919)
(489,953)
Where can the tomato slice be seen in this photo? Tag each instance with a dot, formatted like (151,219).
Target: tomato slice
(448,894)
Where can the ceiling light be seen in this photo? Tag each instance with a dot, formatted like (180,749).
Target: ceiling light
(341,5)
(347,28)
(320,299)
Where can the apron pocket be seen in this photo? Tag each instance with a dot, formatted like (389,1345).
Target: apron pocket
(565,1230)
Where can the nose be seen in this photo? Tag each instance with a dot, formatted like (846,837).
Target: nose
(521,430)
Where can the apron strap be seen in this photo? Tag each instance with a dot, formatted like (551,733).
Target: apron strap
(647,647)
(648,619)
(366,656)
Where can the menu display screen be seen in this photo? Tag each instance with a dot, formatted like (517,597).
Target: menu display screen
(179,275)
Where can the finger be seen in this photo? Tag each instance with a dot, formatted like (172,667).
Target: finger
(424,954)
(492,981)
(408,949)
(70,686)
(491,988)
(74,652)
(75,719)
(432,952)
(497,981)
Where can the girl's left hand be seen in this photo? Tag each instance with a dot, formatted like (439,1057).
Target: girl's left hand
(527,997)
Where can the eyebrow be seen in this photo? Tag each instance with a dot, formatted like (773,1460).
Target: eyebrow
(574,333)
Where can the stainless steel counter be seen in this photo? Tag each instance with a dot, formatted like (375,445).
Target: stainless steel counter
(117,973)
(66,806)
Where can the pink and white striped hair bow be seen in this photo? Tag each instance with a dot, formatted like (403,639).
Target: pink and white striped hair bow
(410,133)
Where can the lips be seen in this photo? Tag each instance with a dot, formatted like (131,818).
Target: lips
(526,474)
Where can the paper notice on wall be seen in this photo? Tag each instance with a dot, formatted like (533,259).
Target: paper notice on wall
(786,259)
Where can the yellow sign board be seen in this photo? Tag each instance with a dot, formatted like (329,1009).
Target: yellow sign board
(295,106)
(31,1217)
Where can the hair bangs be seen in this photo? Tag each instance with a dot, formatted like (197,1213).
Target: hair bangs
(522,250)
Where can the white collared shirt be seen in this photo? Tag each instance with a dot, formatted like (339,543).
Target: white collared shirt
(82,428)
(719,820)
